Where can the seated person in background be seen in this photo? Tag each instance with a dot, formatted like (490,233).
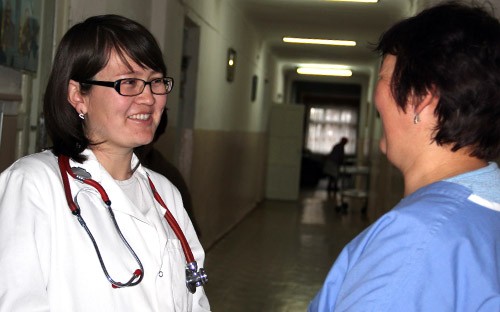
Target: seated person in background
(438,95)
(333,162)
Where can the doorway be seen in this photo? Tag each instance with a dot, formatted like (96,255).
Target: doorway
(332,111)
(187,98)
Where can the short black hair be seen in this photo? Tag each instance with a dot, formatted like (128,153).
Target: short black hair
(453,50)
(84,51)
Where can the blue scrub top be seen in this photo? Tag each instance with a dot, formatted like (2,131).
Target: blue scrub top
(437,250)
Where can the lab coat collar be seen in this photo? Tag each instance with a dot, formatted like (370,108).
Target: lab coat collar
(94,165)
(119,200)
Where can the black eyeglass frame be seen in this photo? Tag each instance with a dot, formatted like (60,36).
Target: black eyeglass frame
(168,81)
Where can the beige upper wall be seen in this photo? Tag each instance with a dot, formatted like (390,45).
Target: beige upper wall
(421,4)
(223,105)
(136,10)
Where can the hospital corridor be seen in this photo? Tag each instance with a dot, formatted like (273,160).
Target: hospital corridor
(240,105)
(277,258)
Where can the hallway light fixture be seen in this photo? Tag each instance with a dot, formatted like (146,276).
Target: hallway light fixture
(231,64)
(362,1)
(325,70)
(348,43)
(330,66)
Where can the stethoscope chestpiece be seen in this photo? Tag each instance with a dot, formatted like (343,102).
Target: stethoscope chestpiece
(195,277)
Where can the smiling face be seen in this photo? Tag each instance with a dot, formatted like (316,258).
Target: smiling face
(120,122)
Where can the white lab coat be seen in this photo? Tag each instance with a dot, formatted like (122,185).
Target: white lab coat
(48,263)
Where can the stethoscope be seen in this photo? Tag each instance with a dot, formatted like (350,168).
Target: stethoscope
(194,277)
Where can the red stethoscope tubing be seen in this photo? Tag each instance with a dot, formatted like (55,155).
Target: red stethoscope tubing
(65,167)
(173,224)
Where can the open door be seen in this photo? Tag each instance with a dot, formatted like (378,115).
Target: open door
(284,151)
(187,98)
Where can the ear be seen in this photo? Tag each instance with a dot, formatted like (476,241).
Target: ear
(429,100)
(75,97)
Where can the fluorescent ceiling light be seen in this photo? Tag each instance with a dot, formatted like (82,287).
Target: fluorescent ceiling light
(324,71)
(349,43)
(363,1)
(331,66)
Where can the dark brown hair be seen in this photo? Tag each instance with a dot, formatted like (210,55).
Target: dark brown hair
(453,50)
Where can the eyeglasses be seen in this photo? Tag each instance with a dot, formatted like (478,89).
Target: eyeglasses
(135,86)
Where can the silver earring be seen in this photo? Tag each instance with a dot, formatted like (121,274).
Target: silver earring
(82,116)
(416,119)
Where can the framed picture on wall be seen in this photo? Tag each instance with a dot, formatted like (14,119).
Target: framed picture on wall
(255,81)
(19,35)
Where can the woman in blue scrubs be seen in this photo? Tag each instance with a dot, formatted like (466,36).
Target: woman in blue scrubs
(438,96)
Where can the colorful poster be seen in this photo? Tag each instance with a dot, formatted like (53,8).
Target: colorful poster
(19,33)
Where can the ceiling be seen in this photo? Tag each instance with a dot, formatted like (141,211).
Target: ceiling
(323,19)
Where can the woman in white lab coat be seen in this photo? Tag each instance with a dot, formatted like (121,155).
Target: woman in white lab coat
(106,94)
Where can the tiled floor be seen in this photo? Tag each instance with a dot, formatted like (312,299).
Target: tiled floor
(278,257)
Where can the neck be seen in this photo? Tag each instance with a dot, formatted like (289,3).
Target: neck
(442,166)
(117,164)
